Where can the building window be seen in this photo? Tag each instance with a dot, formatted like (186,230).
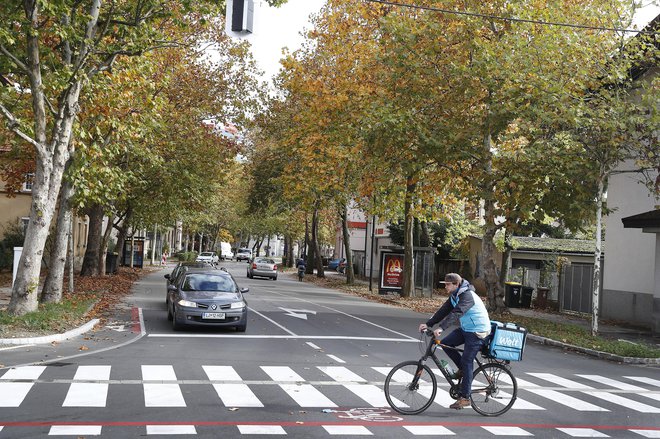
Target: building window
(29,180)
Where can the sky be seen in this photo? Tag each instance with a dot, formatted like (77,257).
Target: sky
(276,28)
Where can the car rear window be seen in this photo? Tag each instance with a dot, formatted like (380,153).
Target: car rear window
(265,261)
(207,282)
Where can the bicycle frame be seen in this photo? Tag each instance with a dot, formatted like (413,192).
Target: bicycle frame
(433,345)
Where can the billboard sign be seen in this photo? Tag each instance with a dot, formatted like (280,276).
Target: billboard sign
(391,272)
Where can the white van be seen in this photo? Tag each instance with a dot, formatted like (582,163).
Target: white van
(225,251)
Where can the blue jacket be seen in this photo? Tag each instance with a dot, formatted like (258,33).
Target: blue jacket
(465,306)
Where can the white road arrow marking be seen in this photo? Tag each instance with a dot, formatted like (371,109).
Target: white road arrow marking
(118,328)
(300,313)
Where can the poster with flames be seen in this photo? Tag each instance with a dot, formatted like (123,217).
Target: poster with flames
(391,272)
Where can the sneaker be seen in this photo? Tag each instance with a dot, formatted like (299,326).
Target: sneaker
(460,403)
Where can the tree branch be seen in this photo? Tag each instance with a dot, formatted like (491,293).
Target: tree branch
(15,60)
(14,125)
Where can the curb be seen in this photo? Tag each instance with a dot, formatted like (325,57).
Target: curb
(594,353)
(51,338)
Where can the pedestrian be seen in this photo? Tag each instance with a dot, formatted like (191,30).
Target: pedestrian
(465,307)
(300,265)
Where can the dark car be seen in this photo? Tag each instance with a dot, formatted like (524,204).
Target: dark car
(181,266)
(207,297)
(335,263)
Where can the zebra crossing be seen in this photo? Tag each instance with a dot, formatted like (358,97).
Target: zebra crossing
(92,386)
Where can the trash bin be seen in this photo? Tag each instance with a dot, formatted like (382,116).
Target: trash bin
(111,263)
(526,297)
(512,294)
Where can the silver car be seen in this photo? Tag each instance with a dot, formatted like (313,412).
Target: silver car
(264,267)
(207,297)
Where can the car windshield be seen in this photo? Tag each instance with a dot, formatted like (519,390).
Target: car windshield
(264,261)
(206,254)
(208,282)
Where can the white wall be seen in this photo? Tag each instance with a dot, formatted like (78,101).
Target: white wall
(630,253)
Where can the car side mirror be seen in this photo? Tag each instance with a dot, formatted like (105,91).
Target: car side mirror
(167,276)
(244,290)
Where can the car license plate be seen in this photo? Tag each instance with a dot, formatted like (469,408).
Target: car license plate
(213,315)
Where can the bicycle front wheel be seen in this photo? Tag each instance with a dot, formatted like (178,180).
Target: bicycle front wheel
(410,388)
(494,389)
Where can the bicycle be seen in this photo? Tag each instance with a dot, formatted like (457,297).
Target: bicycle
(411,386)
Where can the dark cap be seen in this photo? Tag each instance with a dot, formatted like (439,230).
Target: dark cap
(452,278)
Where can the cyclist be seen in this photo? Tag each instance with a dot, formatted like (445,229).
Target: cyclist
(466,307)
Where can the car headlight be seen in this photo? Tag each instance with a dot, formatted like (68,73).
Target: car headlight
(238,305)
(187,303)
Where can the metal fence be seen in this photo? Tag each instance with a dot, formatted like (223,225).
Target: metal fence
(577,284)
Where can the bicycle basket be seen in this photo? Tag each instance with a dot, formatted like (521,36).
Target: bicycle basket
(506,341)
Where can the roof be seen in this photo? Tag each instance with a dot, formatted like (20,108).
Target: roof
(650,219)
(554,245)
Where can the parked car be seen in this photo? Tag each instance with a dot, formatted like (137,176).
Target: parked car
(243,254)
(263,267)
(207,297)
(335,263)
(170,278)
(209,257)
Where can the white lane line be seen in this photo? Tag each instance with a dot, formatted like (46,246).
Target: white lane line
(161,395)
(143,329)
(232,395)
(313,346)
(560,398)
(607,396)
(13,394)
(353,430)
(507,431)
(425,388)
(75,430)
(88,394)
(621,385)
(373,395)
(582,432)
(337,359)
(261,429)
(304,394)
(284,337)
(429,430)
(272,321)
(171,429)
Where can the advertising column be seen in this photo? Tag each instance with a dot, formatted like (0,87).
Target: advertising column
(391,273)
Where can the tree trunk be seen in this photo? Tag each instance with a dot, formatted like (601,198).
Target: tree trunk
(289,253)
(425,237)
(596,281)
(505,255)
(350,275)
(493,286)
(408,289)
(103,248)
(54,283)
(315,243)
(90,265)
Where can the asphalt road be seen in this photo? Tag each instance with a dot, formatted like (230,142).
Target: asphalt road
(311,364)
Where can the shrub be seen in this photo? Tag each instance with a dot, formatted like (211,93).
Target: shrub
(13,237)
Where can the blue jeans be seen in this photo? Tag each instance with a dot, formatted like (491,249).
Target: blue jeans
(464,362)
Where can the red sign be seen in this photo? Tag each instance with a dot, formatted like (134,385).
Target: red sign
(392,271)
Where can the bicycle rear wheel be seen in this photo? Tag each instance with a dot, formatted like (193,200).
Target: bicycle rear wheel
(494,389)
(409,388)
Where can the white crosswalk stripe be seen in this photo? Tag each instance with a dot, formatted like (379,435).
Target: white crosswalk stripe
(305,395)
(558,397)
(75,430)
(12,394)
(161,395)
(621,385)
(89,387)
(507,431)
(582,432)
(607,396)
(232,394)
(368,392)
(88,394)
